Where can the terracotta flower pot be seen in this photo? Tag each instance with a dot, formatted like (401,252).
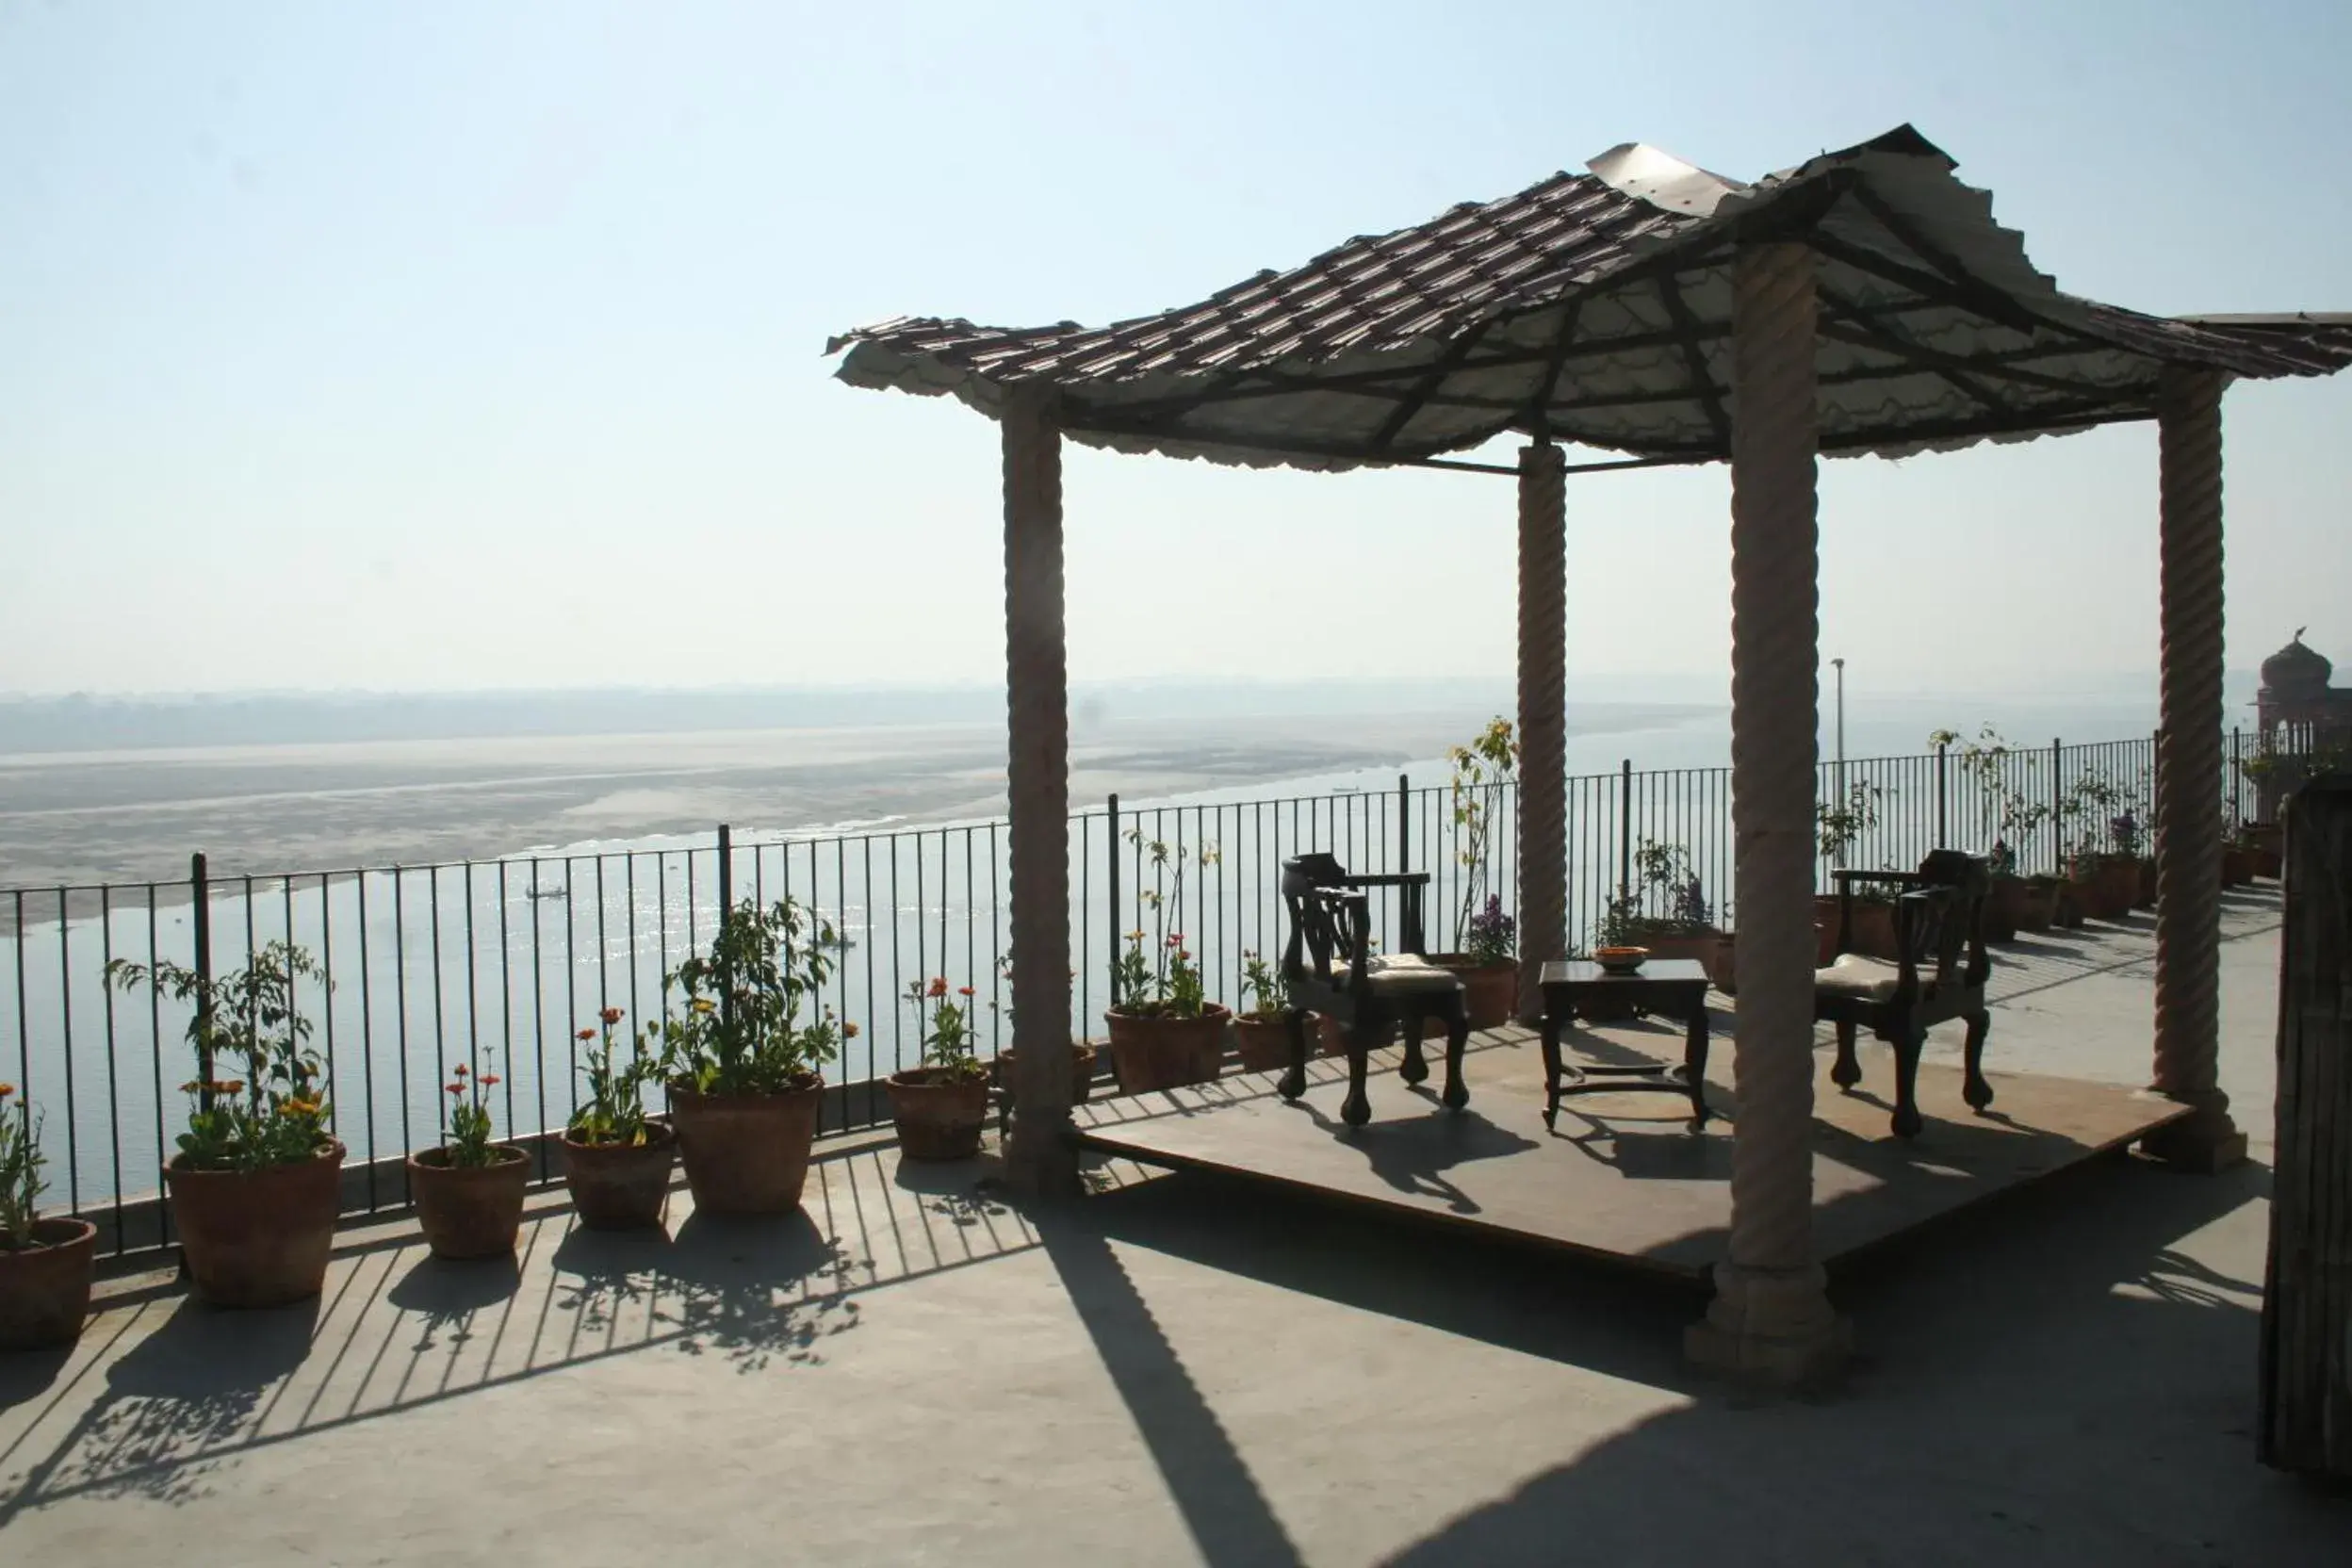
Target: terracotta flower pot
(746,1154)
(45,1289)
(469,1211)
(2034,902)
(1872,932)
(2237,866)
(1825,916)
(1083,1059)
(620,1186)
(2143,896)
(1150,1052)
(939,1114)
(1264,1044)
(2106,885)
(1490,991)
(1722,963)
(257,1238)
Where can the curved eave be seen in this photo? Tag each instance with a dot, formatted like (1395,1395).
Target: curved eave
(1587,314)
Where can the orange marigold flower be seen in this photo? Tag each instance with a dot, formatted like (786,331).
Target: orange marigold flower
(454,1089)
(6,1089)
(611,1014)
(587,1034)
(939,986)
(1184,955)
(963,990)
(488,1079)
(232,1085)
(849,1030)
(194,1085)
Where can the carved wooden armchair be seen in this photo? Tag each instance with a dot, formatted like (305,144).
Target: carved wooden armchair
(1331,970)
(1938,974)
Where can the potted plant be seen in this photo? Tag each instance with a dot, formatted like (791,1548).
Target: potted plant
(2103,882)
(2267,841)
(45,1265)
(1165,1032)
(1083,1056)
(2131,844)
(1484,937)
(1665,910)
(2008,816)
(1262,1031)
(742,1053)
(616,1159)
(257,1183)
(940,1104)
(1837,826)
(470,1190)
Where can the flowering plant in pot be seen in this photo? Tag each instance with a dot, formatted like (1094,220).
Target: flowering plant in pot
(743,1056)
(1484,937)
(940,1104)
(617,1159)
(1165,1031)
(470,1190)
(2008,814)
(1262,1030)
(257,1183)
(1837,826)
(2104,875)
(45,1265)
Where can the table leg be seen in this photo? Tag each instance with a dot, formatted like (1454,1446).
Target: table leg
(1549,1031)
(1694,1063)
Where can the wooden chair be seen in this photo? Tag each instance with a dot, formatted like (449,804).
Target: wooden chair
(1331,970)
(1938,973)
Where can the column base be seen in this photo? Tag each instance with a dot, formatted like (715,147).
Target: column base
(1043,1166)
(1771,1328)
(2205,1142)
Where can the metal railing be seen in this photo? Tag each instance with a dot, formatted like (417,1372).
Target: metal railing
(503,960)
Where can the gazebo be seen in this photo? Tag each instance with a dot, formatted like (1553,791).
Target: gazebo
(1863,301)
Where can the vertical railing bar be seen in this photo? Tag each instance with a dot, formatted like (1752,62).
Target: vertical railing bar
(539,1009)
(400,1004)
(367,1043)
(440,1038)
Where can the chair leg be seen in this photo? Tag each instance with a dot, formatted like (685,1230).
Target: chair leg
(1415,1066)
(1845,1073)
(1973,1089)
(1293,1082)
(1907,1049)
(1357,1109)
(1457,1093)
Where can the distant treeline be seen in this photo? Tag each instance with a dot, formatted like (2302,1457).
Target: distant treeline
(83,723)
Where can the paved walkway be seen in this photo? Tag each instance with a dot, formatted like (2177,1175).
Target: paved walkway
(1180,1372)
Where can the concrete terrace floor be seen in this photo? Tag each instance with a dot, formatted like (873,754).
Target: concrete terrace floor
(1183,1371)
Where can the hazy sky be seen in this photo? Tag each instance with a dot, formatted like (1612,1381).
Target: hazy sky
(479,345)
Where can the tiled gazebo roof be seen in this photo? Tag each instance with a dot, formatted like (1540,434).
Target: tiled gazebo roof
(1597,307)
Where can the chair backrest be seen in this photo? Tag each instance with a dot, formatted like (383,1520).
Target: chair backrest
(1945,933)
(1319,931)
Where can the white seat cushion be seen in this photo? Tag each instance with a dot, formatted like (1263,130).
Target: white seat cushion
(1867,979)
(1402,973)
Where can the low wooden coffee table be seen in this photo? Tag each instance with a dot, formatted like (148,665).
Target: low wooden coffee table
(1671,987)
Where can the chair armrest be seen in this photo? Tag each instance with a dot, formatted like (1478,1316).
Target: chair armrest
(1901,878)
(1390,879)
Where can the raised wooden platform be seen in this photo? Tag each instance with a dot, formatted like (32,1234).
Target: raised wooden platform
(1621,1179)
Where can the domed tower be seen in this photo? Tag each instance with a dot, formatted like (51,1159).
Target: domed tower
(2295,676)
(2299,714)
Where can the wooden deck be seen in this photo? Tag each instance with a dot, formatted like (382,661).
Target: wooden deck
(1621,1179)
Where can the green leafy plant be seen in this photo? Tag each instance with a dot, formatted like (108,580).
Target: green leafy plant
(276,1114)
(754,1019)
(1161,980)
(1838,825)
(1665,900)
(21,1160)
(2005,814)
(950,1040)
(1268,992)
(1481,770)
(613,1115)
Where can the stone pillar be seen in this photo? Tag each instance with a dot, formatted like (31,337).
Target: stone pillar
(1039,1157)
(1542,718)
(2188,774)
(1770,1319)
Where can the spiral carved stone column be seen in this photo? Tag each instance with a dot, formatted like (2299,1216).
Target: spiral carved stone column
(1039,1157)
(2188,771)
(1542,718)
(1770,1319)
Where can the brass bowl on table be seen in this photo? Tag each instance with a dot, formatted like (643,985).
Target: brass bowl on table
(1620,960)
